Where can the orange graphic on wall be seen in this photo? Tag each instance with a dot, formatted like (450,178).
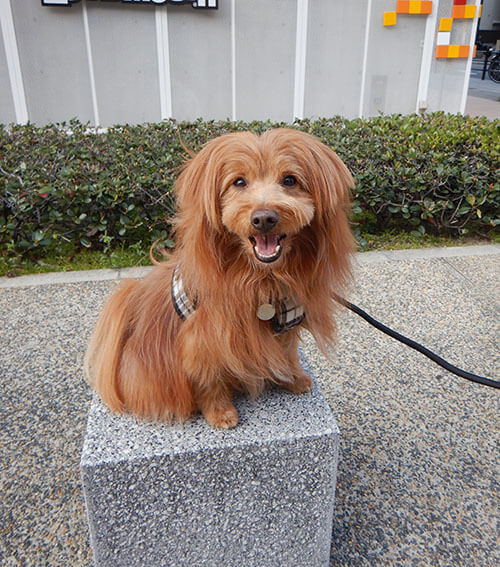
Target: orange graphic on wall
(410,7)
(444,47)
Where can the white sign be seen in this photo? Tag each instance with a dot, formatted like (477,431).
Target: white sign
(194,3)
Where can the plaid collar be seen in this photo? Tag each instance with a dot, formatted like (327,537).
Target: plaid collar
(181,301)
(287,314)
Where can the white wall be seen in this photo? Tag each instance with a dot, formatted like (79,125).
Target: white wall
(113,62)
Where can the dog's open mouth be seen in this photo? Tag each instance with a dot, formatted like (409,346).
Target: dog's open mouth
(267,247)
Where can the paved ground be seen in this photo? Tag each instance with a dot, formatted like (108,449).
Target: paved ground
(418,477)
(483,95)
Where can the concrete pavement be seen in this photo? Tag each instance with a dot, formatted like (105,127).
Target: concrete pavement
(483,95)
(418,477)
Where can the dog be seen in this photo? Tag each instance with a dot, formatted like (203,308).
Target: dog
(263,247)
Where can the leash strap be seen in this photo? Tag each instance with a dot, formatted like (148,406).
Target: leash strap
(418,347)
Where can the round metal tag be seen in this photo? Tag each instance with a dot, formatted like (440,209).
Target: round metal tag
(266,312)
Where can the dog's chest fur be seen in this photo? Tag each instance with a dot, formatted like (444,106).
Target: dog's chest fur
(282,313)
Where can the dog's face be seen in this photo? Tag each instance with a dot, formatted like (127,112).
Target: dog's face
(263,192)
(265,202)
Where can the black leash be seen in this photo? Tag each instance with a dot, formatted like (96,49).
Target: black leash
(413,344)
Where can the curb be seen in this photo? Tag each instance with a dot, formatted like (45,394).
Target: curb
(361,258)
(364,258)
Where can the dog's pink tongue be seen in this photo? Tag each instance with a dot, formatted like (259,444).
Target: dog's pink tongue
(266,244)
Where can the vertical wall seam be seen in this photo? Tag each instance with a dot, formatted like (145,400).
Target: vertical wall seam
(468,67)
(300,59)
(90,62)
(13,62)
(427,57)
(163,50)
(233,60)
(365,59)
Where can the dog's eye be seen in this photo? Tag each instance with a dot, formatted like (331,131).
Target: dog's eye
(289,181)
(240,183)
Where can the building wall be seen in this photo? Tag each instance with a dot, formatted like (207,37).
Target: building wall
(7,111)
(113,62)
(490,17)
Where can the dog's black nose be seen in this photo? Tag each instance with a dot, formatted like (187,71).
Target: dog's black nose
(265,220)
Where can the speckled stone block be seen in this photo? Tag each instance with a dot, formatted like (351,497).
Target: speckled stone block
(261,494)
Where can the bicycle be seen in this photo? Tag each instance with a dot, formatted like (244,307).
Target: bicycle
(494,66)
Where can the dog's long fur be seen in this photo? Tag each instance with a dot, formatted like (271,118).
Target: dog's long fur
(145,359)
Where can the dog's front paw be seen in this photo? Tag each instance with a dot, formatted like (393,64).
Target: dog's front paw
(225,417)
(301,384)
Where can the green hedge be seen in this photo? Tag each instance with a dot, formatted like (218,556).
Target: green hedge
(68,184)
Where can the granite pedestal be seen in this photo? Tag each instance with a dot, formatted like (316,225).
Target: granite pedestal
(261,494)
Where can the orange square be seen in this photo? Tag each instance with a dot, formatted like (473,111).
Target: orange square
(445,24)
(390,18)
(403,7)
(470,11)
(415,6)
(426,7)
(441,51)
(463,51)
(458,12)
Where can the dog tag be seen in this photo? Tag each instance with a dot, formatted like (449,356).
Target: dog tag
(266,312)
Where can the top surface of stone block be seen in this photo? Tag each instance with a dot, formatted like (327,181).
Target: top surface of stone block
(276,415)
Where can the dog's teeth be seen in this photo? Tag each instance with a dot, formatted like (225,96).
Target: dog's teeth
(278,248)
(267,248)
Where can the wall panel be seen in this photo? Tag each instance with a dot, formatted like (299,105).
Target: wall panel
(394,61)
(336,32)
(125,59)
(265,59)
(7,113)
(200,61)
(448,75)
(53,61)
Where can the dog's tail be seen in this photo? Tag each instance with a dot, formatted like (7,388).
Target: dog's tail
(103,357)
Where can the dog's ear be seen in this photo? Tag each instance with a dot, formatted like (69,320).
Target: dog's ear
(198,186)
(200,234)
(330,182)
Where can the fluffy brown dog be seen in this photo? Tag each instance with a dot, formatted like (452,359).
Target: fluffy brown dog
(263,246)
